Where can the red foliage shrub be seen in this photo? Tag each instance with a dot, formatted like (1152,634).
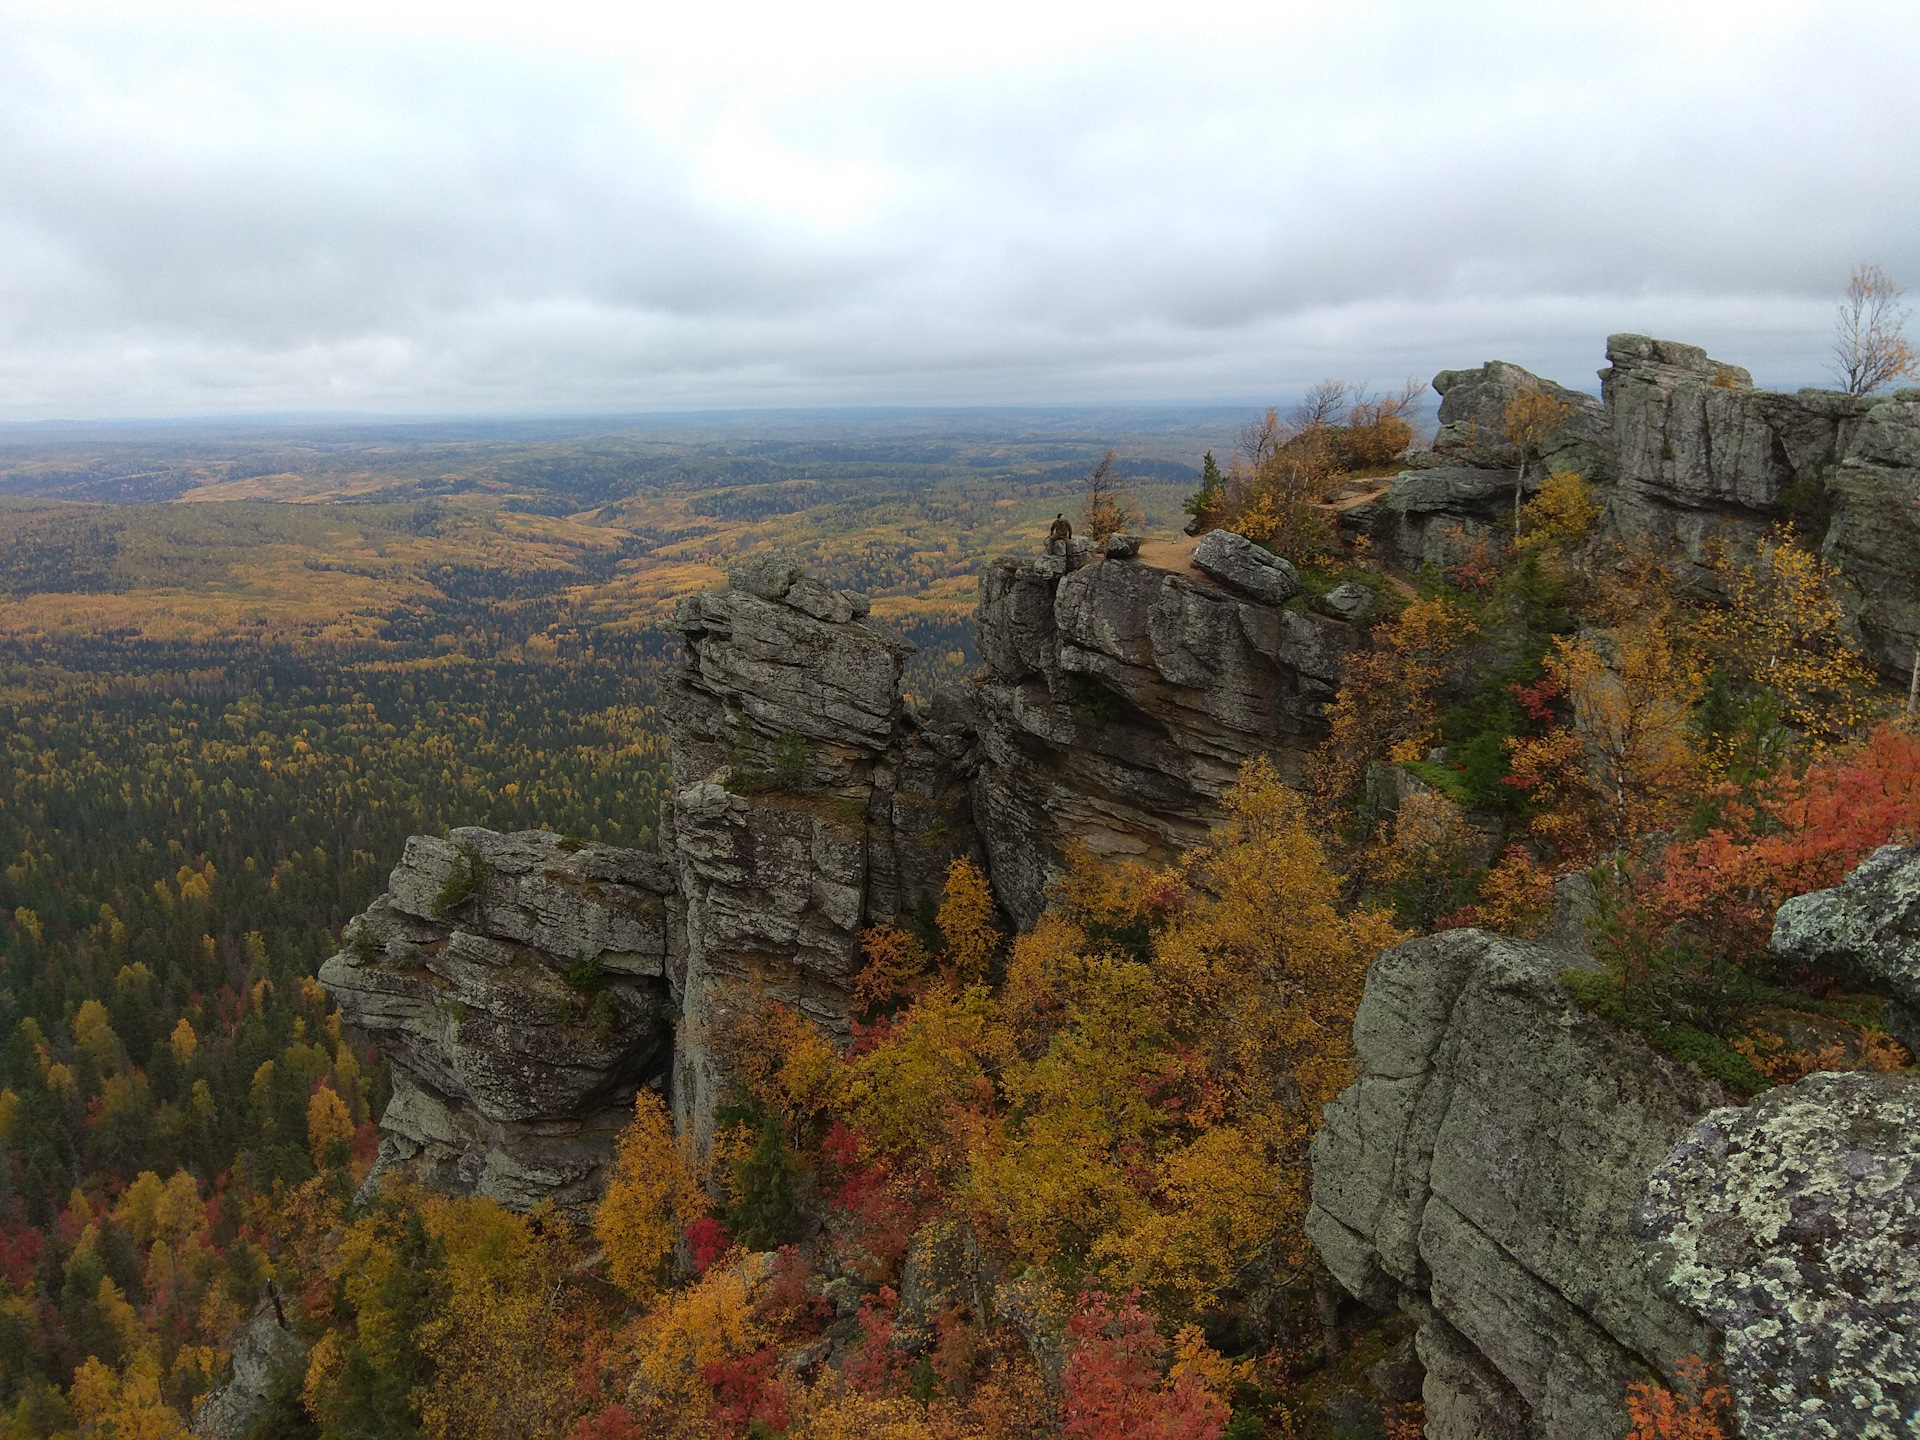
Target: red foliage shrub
(19,1255)
(612,1423)
(745,1393)
(1701,1409)
(1115,1389)
(873,1366)
(707,1239)
(1793,834)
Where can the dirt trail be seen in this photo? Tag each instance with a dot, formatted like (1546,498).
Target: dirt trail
(1175,555)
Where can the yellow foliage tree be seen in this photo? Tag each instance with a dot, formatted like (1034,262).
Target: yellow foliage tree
(1561,514)
(965,918)
(184,1041)
(1530,419)
(327,1122)
(93,1032)
(1632,711)
(1141,1103)
(1783,631)
(503,1346)
(1387,700)
(672,1345)
(123,1407)
(651,1196)
(1107,509)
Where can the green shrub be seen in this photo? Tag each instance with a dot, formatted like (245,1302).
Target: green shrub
(469,873)
(790,760)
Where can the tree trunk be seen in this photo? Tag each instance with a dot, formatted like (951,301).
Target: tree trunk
(1913,690)
(1326,1300)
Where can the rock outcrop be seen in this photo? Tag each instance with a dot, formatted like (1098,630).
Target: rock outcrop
(517,986)
(1463,486)
(1790,1226)
(1483,1174)
(808,804)
(267,1357)
(1866,930)
(1115,703)
(1688,455)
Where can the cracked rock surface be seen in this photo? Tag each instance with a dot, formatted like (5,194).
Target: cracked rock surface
(1483,1173)
(516,984)
(1793,1226)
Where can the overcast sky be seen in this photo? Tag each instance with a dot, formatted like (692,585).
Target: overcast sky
(213,209)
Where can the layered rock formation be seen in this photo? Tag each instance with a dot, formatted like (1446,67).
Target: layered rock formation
(1463,486)
(1483,1174)
(808,804)
(1687,454)
(517,986)
(1117,701)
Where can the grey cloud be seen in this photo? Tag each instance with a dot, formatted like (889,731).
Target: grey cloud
(199,219)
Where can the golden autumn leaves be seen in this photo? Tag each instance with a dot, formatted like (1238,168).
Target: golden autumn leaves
(1129,1104)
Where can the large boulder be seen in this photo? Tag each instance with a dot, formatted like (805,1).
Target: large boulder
(1484,1171)
(1790,1226)
(1866,929)
(516,985)
(267,1358)
(1239,564)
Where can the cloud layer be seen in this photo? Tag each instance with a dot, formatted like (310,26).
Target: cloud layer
(204,210)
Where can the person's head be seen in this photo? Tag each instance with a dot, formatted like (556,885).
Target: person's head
(1061,516)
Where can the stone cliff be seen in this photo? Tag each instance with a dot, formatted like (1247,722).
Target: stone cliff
(1116,701)
(1119,696)
(1490,1172)
(1686,453)
(517,986)
(1566,1212)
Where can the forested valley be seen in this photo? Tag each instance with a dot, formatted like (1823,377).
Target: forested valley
(1112,1109)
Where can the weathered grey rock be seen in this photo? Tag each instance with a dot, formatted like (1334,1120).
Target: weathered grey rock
(1034,1306)
(1461,490)
(1473,422)
(1791,1227)
(1689,457)
(1122,546)
(1487,1165)
(1347,601)
(945,1269)
(1466,1398)
(1118,702)
(1874,494)
(808,804)
(1866,929)
(1400,1375)
(1236,561)
(266,1356)
(511,1076)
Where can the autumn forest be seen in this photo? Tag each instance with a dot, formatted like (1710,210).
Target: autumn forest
(234,681)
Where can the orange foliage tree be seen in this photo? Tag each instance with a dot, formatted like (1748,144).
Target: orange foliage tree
(1389,697)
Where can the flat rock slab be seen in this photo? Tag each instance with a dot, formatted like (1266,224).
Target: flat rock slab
(1793,1227)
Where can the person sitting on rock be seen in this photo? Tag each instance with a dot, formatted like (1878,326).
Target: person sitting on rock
(1059,535)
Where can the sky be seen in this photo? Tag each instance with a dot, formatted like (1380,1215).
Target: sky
(512,209)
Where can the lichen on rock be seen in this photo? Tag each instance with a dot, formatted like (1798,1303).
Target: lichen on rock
(1793,1227)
